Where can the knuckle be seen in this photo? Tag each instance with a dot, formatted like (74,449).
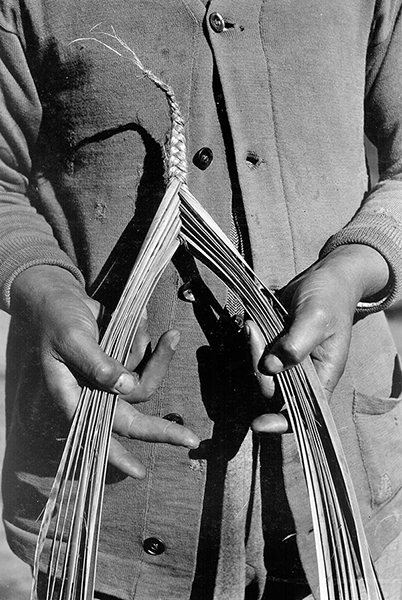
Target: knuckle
(119,455)
(146,338)
(147,391)
(292,352)
(142,341)
(63,345)
(167,430)
(134,424)
(72,338)
(103,372)
(141,392)
(322,316)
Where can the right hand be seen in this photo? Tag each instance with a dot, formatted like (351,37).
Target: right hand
(322,303)
(52,302)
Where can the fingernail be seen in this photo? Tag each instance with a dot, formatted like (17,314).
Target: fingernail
(273,364)
(124,384)
(247,331)
(192,444)
(174,342)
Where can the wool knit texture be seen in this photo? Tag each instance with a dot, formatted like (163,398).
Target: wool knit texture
(282,95)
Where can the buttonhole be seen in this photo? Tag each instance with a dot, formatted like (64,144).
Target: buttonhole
(252,160)
(233,26)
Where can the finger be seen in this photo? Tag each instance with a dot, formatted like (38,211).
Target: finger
(62,386)
(330,362)
(257,348)
(140,345)
(129,422)
(155,368)
(309,328)
(82,354)
(126,462)
(97,309)
(271,423)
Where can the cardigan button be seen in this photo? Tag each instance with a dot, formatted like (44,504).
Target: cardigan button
(174,418)
(153,546)
(238,320)
(217,22)
(186,293)
(203,158)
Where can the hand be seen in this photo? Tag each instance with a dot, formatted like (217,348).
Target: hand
(321,303)
(64,318)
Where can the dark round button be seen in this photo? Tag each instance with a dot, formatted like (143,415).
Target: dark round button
(217,22)
(186,293)
(175,418)
(153,546)
(238,321)
(203,158)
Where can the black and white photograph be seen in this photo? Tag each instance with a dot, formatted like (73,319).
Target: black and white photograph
(201,299)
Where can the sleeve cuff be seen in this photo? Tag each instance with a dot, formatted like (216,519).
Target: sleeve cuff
(383,233)
(40,255)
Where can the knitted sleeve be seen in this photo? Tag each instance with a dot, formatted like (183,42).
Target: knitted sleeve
(378,223)
(26,239)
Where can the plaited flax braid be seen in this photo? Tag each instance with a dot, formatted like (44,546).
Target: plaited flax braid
(177,162)
(177,159)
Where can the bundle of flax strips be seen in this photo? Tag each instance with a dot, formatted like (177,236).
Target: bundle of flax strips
(73,512)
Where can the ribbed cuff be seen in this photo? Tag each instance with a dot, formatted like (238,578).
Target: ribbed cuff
(383,233)
(43,254)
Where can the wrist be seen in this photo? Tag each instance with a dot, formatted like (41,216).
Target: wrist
(35,284)
(364,269)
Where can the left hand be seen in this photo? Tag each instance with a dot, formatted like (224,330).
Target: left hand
(321,303)
(61,319)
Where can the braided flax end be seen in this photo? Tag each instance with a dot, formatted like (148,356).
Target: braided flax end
(176,159)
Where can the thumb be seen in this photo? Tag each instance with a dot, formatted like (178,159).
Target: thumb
(80,352)
(271,423)
(257,347)
(308,329)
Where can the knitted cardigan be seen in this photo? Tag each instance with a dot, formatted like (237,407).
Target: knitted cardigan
(281,93)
